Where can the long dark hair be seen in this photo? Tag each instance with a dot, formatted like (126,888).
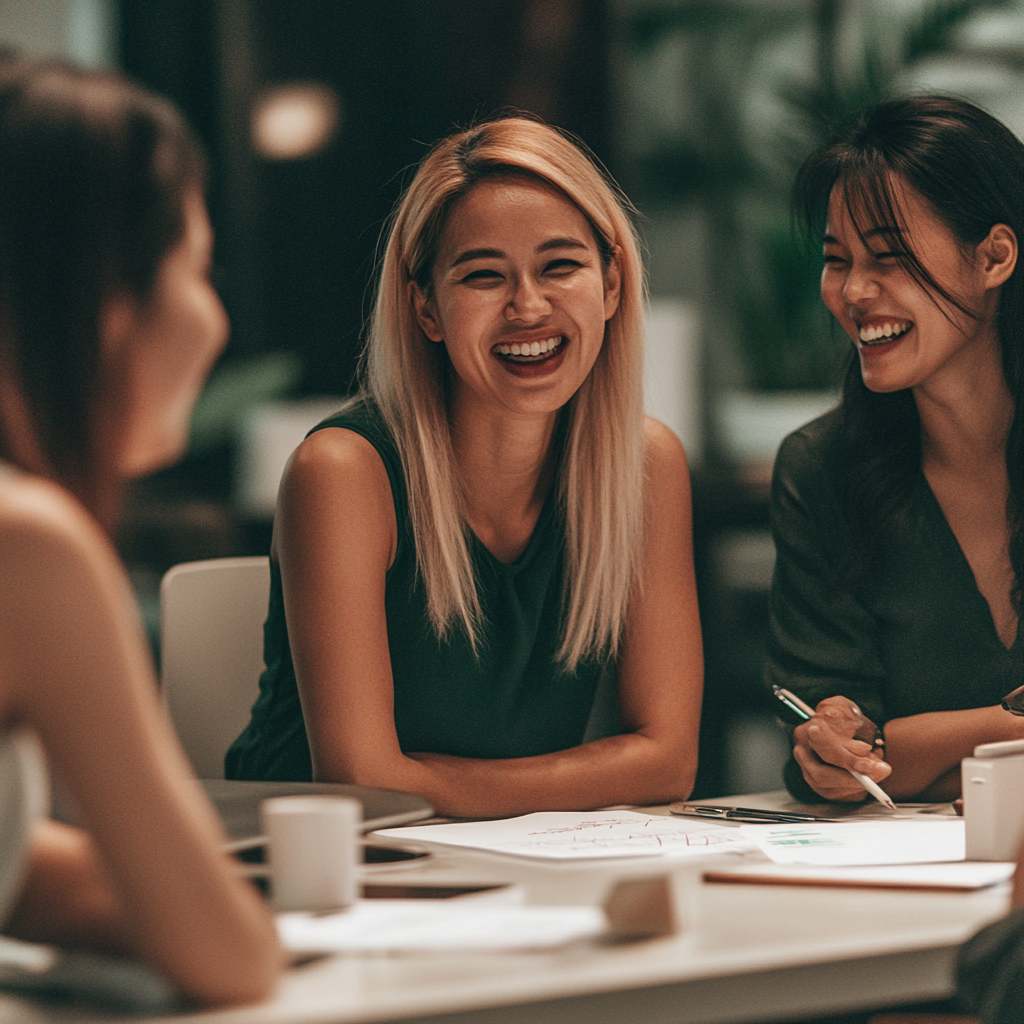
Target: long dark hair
(969,168)
(93,176)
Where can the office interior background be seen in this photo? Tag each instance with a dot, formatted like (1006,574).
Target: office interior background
(313,113)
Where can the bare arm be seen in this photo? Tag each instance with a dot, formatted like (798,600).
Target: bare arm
(79,674)
(336,540)
(925,750)
(922,752)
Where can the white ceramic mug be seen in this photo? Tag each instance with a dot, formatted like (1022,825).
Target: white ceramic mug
(311,847)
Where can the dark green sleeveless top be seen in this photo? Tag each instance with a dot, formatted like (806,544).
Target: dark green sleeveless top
(511,701)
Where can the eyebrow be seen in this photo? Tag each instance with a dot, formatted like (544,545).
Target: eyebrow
(477,254)
(872,233)
(496,254)
(561,243)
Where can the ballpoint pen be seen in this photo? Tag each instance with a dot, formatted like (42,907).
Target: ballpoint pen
(805,713)
(752,815)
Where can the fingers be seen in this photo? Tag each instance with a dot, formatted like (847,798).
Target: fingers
(830,782)
(846,717)
(853,755)
(827,755)
(841,714)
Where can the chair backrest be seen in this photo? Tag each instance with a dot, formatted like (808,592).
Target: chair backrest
(211,652)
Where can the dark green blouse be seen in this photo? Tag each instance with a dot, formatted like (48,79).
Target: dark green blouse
(916,636)
(512,701)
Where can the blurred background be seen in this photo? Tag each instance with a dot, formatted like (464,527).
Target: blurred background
(313,113)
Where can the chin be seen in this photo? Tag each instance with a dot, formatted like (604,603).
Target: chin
(151,457)
(884,387)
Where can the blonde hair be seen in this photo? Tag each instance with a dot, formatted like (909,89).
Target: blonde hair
(600,484)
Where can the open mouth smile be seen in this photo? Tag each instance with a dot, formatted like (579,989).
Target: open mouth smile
(530,351)
(883,332)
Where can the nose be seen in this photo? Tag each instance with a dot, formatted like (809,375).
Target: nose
(528,302)
(860,284)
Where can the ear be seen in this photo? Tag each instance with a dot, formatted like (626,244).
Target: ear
(612,283)
(425,313)
(997,255)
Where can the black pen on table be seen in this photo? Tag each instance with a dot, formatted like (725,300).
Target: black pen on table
(804,712)
(753,815)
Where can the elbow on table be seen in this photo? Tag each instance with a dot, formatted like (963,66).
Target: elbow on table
(671,779)
(373,772)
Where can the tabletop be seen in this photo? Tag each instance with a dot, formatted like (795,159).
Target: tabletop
(747,953)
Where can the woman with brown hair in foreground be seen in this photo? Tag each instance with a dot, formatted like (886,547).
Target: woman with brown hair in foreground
(108,327)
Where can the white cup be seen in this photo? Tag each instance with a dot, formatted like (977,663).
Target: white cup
(311,846)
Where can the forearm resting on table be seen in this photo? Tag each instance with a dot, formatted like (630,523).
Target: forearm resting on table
(925,750)
(629,769)
(66,895)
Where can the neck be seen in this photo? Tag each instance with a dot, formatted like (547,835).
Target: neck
(504,460)
(966,415)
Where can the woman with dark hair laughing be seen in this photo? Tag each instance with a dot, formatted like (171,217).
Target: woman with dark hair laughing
(899,516)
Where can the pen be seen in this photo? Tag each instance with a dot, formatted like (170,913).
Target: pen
(755,815)
(805,712)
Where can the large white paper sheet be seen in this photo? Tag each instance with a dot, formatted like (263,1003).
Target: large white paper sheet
(440,926)
(863,842)
(579,835)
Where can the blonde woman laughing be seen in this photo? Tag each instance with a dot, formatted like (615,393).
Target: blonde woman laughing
(491,525)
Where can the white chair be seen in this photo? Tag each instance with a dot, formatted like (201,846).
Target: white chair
(211,652)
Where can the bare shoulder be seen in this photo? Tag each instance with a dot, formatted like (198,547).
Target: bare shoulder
(665,455)
(335,458)
(332,462)
(336,470)
(56,557)
(44,526)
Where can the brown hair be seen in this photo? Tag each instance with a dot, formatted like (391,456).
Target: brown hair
(969,168)
(93,175)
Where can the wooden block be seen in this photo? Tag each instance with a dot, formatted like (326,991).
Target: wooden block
(642,908)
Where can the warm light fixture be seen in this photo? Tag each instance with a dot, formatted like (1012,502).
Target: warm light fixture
(294,120)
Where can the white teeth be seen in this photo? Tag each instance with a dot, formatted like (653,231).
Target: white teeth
(529,349)
(887,330)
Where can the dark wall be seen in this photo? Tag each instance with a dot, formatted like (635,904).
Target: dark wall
(297,239)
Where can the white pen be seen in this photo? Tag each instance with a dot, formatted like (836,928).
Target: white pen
(806,712)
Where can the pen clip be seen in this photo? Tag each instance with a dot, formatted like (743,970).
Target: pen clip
(768,817)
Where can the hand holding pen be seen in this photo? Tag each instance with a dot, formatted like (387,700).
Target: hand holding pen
(821,755)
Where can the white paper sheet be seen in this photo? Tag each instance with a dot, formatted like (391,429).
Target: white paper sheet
(919,841)
(441,926)
(576,835)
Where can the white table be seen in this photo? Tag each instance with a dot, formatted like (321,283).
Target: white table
(752,953)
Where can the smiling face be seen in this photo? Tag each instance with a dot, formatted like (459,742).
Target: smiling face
(905,337)
(161,349)
(519,296)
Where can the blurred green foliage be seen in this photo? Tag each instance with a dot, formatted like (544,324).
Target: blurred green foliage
(234,389)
